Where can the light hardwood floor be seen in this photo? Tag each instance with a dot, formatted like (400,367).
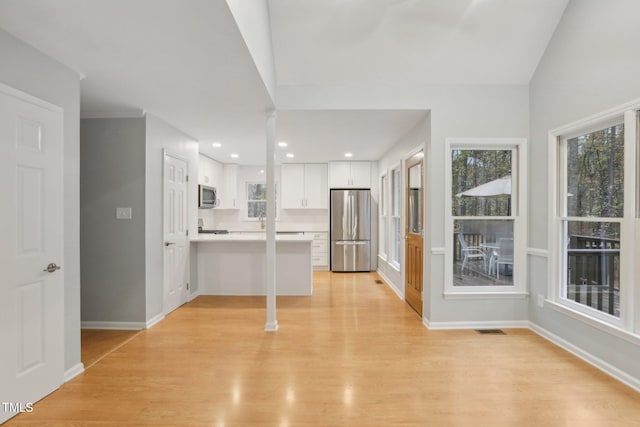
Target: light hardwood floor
(353,354)
(97,343)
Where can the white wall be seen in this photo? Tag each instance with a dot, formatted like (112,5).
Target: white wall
(592,64)
(252,19)
(456,111)
(30,71)
(161,135)
(406,145)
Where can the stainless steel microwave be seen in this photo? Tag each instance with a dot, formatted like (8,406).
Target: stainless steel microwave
(207,197)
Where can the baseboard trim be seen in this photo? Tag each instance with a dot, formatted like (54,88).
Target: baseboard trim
(426,323)
(126,326)
(73,372)
(390,284)
(271,327)
(194,295)
(155,319)
(594,361)
(491,324)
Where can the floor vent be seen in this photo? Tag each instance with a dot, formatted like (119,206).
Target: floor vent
(379,282)
(491,331)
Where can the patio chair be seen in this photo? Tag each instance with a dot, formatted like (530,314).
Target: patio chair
(504,255)
(470,252)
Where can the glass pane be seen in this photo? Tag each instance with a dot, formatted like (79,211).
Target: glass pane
(415,205)
(595,173)
(483,253)
(481,182)
(256,209)
(395,256)
(396,193)
(593,265)
(256,192)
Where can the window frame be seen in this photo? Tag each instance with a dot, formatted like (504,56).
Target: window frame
(384,216)
(247,200)
(518,288)
(629,321)
(396,197)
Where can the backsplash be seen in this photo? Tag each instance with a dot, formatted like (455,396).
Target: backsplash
(288,220)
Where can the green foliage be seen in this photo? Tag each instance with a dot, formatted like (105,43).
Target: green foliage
(595,174)
(471,168)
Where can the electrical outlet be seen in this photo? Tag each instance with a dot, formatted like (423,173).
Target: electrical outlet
(540,300)
(123,213)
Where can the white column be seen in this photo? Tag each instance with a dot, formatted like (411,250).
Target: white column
(272,323)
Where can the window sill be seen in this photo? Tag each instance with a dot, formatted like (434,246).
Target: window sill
(596,323)
(475,295)
(395,266)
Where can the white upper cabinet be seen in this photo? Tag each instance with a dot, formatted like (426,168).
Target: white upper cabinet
(350,175)
(304,186)
(228,191)
(209,172)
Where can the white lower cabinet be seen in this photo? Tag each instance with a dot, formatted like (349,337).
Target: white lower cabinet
(319,249)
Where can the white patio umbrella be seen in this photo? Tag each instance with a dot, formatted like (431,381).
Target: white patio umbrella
(500,187)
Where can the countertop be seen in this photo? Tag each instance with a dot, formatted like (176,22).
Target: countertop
(250,237)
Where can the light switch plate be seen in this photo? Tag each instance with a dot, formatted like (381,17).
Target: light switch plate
(123,213)
(540,300)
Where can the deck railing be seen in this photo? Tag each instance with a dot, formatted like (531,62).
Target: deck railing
(593,269)
(593,272)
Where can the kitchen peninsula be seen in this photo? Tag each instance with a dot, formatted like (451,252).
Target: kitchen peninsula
(235,264)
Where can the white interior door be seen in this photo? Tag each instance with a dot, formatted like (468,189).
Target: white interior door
(175,227)
(31,226)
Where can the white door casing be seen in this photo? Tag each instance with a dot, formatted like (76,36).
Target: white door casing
(32,229)
(175,226)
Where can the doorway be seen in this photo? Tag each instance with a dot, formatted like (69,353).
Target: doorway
(414,220)
(175,229)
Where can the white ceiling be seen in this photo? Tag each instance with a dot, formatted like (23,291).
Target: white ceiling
(186,62)
(410,42)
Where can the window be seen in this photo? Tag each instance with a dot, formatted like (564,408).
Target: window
(396,236)
(257,199)
(485,211)
(384,216)
(591,213)
(593,220)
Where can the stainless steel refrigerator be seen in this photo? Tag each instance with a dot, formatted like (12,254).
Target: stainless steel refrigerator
(350,230)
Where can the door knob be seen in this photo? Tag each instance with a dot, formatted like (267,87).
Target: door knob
(168,243)
(52,267)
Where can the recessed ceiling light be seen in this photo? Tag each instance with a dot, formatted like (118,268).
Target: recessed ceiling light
(282,144)
(217,144)
(348,154)
(290,155)
(234,156)
(261,170)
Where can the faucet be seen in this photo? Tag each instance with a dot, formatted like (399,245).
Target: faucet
(262,224)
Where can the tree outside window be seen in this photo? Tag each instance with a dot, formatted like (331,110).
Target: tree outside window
(592,212)
(257,200)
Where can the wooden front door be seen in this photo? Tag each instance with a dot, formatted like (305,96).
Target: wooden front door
(414,258)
